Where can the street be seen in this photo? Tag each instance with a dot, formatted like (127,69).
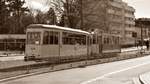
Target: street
(126,70)
(74,42)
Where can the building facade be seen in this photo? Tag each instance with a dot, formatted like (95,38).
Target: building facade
(111,16)
(144,31)
(143,27)
(12,42)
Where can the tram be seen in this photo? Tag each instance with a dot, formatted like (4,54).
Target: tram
(54,42)
(105,45)
(61,44)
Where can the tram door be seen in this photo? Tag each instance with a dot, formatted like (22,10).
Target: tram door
(89,52)
(100,43)
(51,44)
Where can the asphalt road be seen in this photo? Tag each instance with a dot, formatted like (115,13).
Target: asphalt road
(120,72)
(128,75)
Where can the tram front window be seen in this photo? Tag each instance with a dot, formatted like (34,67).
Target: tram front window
(33,38)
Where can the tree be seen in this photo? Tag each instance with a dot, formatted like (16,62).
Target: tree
(62,21)
(11,12)
(40,17)
(46,18)
(82,14)
(4,14)
(17,10)
(70,9)
(51,17)
(26,20)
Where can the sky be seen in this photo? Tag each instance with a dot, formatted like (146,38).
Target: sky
(141,6)
(37,4)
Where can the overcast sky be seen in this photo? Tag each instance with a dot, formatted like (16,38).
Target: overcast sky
(141,6)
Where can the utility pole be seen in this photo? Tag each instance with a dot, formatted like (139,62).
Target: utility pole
(141,36)
(18,17)
(81,13)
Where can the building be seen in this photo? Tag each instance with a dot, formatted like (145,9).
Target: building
(129,24)
(111,16)
(144,31)
(12,42)
(143,27)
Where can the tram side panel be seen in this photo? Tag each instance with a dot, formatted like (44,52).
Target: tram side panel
(76,52)
(73,46)
(111,45)
(95,47)
(32,52)
(50,45)
(49,52)
(111,48)
(67,51)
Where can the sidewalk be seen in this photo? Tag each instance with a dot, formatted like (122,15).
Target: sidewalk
(132,49)
(11,53)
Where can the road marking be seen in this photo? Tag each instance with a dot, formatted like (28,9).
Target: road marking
(111,73)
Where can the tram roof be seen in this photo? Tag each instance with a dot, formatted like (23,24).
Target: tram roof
(56,27)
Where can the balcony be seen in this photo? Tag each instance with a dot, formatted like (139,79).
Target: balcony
(129,15)
(130,22)
(130,29)
(129,8)
(119,28)
(116,4)
(115,12)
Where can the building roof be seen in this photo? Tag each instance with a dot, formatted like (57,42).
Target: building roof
(56,27)
(12,36)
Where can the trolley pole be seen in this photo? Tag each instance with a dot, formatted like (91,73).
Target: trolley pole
(81,14)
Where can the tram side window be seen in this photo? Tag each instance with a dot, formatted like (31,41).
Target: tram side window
(94,39)
(105,40)
(72,39)
(33,37)
(116,40)
(50,37)
(68,39)
(54,37)
(45,39)
(80,39)
(108,40)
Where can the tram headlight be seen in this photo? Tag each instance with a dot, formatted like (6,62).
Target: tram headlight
(37,42)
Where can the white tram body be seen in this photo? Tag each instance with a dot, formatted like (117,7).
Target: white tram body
(105,43)
(57,43)
(54,42)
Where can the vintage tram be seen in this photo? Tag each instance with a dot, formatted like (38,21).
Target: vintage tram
(61,44)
